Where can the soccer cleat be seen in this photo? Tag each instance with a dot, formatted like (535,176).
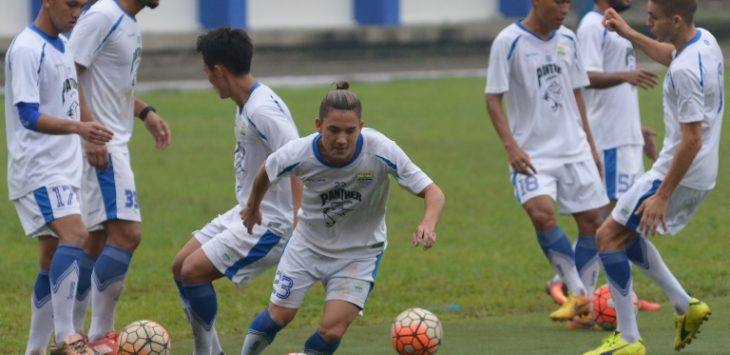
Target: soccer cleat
(573,306)
(688,325)
(614,345)
(557,290)
(584,322)
(73,345)
(107,345)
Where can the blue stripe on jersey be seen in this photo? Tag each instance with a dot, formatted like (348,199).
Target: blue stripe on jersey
(108,188)
(56,42)
(315,150)
(702,70)
(267,242)
(257,129)
(512,47)
(253,88)
(114,28)
(288,169)
(40,63)
(124,11)
(603,39)
(552,33)
(633,222)
(514,184)
(610,167)
(44,204)
(378,258)
(391,165)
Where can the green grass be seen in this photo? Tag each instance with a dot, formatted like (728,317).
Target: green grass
(486,258)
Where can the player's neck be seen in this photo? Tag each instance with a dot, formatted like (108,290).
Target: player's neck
(132,7)
(683,37)
(46,26)
(533,23)
(242,88)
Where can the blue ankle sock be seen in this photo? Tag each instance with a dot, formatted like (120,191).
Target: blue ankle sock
(318,345)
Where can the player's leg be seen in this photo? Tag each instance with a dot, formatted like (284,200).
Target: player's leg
(337,317)
(263,329)
(41,321)
(92,248)
(586,252)
(198,274)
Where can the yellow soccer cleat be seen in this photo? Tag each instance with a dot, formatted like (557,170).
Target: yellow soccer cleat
(585,322)
(614,345)
(688,325)
(573,306)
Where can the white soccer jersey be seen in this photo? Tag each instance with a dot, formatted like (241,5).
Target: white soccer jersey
(537,78)
(613,113)
(263,125)
(693,92)
(343,208)
(37,71)
(108,42)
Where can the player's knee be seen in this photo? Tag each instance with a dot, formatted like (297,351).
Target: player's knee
(543,221)
(128,237)
(604,240)
(176,266)
(332,334)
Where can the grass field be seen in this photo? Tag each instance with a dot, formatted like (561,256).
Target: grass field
(486,259)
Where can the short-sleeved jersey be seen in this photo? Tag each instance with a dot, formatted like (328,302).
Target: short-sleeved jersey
(693,92)
(108,43)
(343,208)
(37,71)
(613,113)
(263,125)
(537,78)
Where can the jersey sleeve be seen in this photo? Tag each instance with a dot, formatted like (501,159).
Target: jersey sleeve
(25,64)
(89,35)
(690,97)
(591,40)
(408,174)
(284,161)
(273,126)
(498,70)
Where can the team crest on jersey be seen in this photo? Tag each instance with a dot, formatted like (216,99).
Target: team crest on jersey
(562,50)
(365,177)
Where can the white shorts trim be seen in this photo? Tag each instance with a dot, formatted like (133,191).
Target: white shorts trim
(235,253)
(575,187)
(109,194)
(349,280)
(683,204)
(621,167)
(44,205)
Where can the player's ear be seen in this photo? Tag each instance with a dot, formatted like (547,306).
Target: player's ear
(362,124)
(318,124)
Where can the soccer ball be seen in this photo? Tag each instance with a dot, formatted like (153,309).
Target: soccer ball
(144,337)
(416,331)
(604,311)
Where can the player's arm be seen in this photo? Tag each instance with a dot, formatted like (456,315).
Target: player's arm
(251,213)
(34,120)
(433,204)
(518,159)
(641,78)
(587,128)
(297,188)
(158,128)
(97,154)
(658,51)
(653,209)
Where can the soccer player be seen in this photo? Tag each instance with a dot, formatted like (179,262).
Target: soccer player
(107,48)
(341,233)
(664,199)
(534,63)
(263,124)
(44,164)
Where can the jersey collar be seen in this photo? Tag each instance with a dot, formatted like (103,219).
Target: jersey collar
(693,40)
(320,158)
(519,24)
(56,41)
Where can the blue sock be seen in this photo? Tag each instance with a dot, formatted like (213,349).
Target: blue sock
(636,252)
(618,270)
(265,326)
(585,251)
(555,240)
(86,265)
(318,345)
(42,289)
(111,266)
(203,303)
(65,256)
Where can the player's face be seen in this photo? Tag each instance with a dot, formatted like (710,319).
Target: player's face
(64,13)
(340,130)
(216,77)
(620,5)
(150,3)
(660,25)
(552,13)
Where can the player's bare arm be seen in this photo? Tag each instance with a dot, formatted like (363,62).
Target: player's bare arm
(158,128)
(90,131)
(518,159)
(658,51)
(587,128)
(251,213)
(97,154)
(297,187)
(433,205)
(654,209)
(641,78)
(649,144)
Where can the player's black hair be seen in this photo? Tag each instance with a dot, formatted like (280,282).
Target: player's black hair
(684,8)
(340,99)
(229,47)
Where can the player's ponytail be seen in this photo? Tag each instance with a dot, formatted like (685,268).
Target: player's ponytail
(341,98)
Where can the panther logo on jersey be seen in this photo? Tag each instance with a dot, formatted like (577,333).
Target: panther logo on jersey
(553,95)
(338,202)
(70,97)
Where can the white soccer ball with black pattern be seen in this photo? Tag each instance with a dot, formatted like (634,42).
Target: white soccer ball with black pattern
(144,337)
(416,331)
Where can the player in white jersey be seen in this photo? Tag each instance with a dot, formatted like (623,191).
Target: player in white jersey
(107,48)
(44,162)
(341,234)
(665,198)
(222,247)
(534,63)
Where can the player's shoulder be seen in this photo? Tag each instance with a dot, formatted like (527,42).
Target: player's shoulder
(700,48)
(263,99)
(509,34)
(26,42)
(104,8)
(566,33)
(375,141)
(591,22)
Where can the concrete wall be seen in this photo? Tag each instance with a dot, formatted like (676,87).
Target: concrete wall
(426,12)
(298,14)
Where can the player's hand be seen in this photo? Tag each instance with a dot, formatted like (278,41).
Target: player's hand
(653,213)
(95,132)
(251,217)
(425,236)
(520,161)
(649,144)
(614,22)
(642,78)
(97,154)
(159,130)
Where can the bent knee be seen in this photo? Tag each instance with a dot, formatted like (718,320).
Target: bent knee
(332,334)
